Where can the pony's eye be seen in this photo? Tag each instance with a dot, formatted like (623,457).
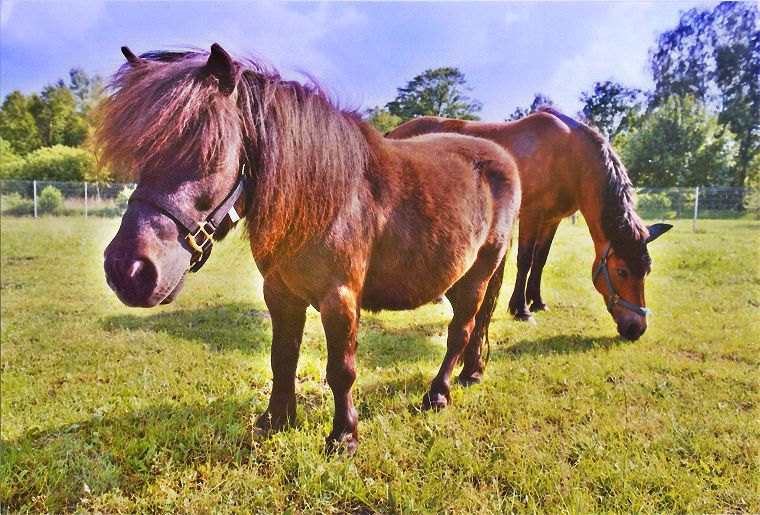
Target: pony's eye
(203,203)
(622,272)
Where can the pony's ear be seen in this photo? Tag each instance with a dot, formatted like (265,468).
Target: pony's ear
(657,230)
(132,59)
(221,66)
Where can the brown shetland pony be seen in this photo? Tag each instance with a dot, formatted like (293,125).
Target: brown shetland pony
(567,166)
(338,217)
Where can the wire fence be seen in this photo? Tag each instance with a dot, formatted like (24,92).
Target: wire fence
(36,198)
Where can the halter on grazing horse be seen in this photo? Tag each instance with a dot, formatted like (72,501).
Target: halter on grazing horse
(337,216)
(566,166)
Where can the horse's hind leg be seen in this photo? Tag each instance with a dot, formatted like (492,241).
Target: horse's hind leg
(473,366)
(518,306)
(466,296)
(288,314)
(541,252)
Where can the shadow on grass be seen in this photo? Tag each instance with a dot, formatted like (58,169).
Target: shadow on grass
(123,453)
(557,344)
(222,328)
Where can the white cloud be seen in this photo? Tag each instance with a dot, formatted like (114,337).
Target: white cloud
(617,49)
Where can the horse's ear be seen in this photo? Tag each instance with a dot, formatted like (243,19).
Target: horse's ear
(221,66)
(132,59)
(657,230)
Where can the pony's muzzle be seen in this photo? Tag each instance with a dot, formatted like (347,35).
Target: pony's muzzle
(133,280)
(631,329)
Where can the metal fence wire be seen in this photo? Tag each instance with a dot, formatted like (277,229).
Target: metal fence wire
(35,198)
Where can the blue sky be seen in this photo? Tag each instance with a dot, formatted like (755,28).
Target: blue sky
(359,51)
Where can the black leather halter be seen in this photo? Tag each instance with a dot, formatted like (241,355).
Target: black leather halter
(198,235)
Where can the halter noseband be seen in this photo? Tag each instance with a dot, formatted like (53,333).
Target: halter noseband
(614,297)
(198,235)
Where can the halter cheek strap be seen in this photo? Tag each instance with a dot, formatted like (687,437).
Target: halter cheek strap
(198,235)
(614,297)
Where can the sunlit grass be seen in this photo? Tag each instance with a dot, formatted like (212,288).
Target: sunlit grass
(113,409)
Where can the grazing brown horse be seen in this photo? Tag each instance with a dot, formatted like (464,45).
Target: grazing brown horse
(338,217)
(566,166)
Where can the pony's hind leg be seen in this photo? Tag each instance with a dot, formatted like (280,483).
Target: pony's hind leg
(540,253)
(288,314)
(473,366)
(466,297)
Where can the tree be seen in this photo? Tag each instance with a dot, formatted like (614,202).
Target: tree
(679,144)
(714,55)
(58,122)
(540,101)
(87,90)
(17,124)
(438,92)
(382,119)
(612,107)
(10,162)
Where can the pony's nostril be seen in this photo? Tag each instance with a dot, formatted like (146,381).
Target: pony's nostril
(135,268)
(632,331)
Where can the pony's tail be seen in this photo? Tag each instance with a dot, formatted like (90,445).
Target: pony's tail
(487,308)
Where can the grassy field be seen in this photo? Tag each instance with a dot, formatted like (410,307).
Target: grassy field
(119,410)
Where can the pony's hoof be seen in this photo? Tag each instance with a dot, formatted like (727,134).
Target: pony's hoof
(467,380)
(344,444)
(535,307)
(434,401)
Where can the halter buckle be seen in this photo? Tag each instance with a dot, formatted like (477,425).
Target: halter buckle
(191,240)
(614,299)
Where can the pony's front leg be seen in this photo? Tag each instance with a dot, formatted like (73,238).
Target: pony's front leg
(540,254)
(288,314)
(340,317)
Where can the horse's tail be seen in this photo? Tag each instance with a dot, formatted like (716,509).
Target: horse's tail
(487,308)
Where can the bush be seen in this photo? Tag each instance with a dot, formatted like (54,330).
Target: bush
(122,199)
(10,162)
(653,202)
(58,163)
(50,201)
(15,204)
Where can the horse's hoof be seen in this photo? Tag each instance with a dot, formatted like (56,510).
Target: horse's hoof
(345,444)
(525,316)
(434,401)
(467,380)
(535,307)
(267,422)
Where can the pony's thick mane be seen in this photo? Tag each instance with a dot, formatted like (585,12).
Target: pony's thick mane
(620,223)
(306,156)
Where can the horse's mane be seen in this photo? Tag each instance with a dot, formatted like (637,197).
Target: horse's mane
(620,223)
(306,155)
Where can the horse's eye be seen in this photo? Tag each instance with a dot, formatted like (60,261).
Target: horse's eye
(622,272)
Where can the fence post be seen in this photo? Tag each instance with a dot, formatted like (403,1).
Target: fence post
(85,199)
(696,210)
(34,194)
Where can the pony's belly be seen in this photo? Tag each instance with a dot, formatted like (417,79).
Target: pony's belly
(400,286)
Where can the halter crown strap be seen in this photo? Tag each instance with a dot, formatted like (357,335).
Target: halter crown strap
(198,235)
(614,297)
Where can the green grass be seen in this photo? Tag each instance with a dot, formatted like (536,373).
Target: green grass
(105,408)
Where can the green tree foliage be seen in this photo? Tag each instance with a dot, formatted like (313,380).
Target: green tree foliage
(58,121)
(438,92)
(382,119)
(679,144)
(58,163)
(612,107)
(17,124)
(87,90)
(714,55)
(10,162)
(540,101)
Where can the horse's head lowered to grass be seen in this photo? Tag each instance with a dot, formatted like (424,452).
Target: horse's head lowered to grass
(173,122)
